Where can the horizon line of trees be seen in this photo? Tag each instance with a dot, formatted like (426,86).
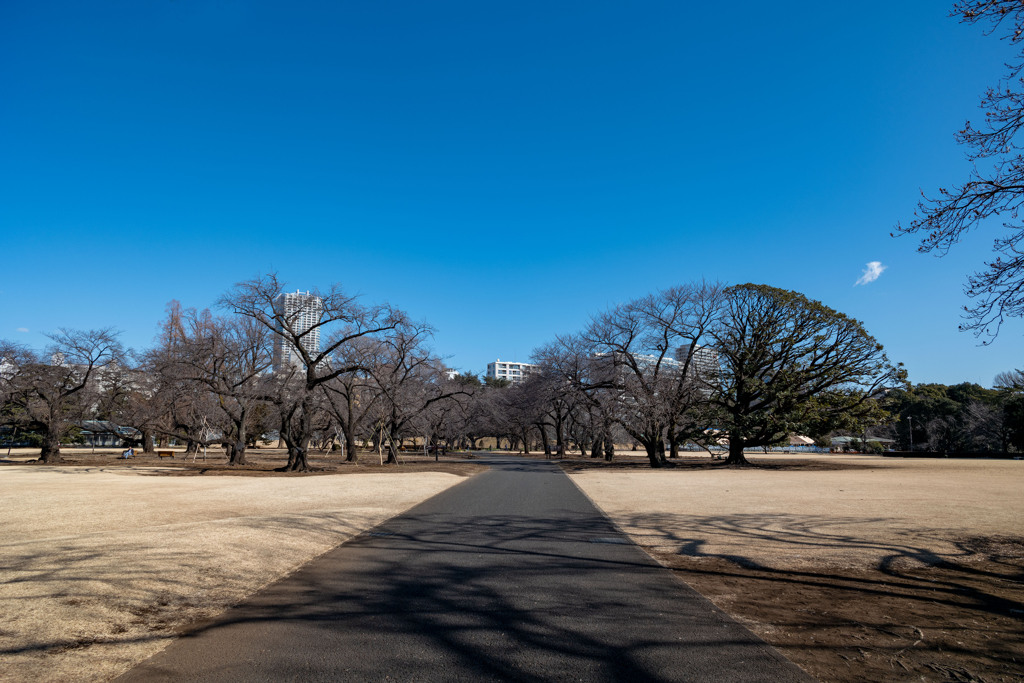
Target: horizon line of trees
(702,363)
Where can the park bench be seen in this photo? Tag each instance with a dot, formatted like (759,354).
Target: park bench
(165,454)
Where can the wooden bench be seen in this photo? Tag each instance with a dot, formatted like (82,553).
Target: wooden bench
(165,454)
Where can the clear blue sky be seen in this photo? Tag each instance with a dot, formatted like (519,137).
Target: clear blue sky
(502,170)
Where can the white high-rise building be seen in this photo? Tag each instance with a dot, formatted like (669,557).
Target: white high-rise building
(301,313)
(703,368)
(705,364)
(513,372)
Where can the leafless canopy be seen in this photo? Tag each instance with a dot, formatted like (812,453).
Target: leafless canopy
(645,365)
(342,322)
(994,187)
(56,388)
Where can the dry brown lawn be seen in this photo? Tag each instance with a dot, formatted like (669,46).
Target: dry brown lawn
(855,567)
(101,564)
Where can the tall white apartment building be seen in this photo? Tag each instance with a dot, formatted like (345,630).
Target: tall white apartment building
(300,312)
(705,363)
(703,368)
(513,372)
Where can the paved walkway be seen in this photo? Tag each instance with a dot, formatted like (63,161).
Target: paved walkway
(511,575)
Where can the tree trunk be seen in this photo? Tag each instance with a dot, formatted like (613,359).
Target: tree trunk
(595,452)
(652,453)
(392,458)
(609,448)
(236,454)
(50,451)
(736,456)
(296,449)
(147,441)
(526,442)
(673,446)
(544,441)
(350,448)
(296,460)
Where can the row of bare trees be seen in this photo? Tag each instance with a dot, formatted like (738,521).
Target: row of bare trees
(208,379)
(746,365)
(372,377)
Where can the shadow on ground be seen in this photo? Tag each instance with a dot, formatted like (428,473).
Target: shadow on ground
(462,602)
(851,608)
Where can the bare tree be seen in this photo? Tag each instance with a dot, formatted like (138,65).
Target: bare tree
(57,388)
(994,187)
(519,411)
(410,381)
(352,396)
(645,366)
(182,408)
(567,380)
(444,421)
(341,321)
(228,357)
(125,401)
(1011,380)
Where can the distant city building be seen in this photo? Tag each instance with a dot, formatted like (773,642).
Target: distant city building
(705,362)
(302,312)
(612,367)
(513,372)
(704,365)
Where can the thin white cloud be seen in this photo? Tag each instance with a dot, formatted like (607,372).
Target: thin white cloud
(871,273)
(22,329)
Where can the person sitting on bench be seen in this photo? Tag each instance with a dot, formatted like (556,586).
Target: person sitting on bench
(130,453)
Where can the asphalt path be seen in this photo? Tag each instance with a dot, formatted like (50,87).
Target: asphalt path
(511,575)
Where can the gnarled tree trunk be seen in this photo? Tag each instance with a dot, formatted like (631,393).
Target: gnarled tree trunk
(236,453)
(655,452)
(296,460)
(736,456)
(50,451)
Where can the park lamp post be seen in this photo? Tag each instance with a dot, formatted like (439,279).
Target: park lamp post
(910,422)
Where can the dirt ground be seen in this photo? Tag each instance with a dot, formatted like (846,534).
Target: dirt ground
(857,568)
(102,561)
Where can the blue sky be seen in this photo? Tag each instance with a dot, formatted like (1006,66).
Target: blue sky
(502,170)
